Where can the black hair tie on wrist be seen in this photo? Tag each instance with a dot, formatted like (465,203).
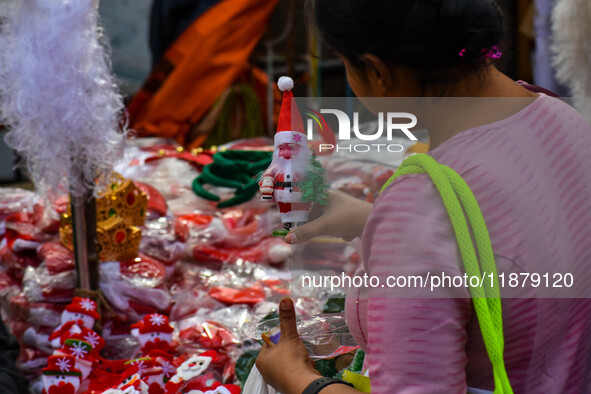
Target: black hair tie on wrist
(319,384)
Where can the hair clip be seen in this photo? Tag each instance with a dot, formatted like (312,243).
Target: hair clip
(492,53)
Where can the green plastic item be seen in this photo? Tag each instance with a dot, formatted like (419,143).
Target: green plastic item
(326,367)
(334,304)
(457,199)
(245,363)
(234,169)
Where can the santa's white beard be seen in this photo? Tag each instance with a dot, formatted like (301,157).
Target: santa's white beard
(297,166)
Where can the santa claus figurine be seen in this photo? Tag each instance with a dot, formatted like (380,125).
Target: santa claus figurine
(192,368)
(290,164)
(153,332)
(61,375)
(81,313)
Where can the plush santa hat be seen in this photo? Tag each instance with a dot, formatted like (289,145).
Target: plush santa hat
(86,306)
(227,389)
(78,349)
(290,128)
(154,322)
(66,330)
(61,365)
(90,337)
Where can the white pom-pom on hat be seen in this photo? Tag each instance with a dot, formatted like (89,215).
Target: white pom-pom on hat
(285,83)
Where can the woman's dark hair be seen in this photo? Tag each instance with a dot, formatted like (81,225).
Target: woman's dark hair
(425,36)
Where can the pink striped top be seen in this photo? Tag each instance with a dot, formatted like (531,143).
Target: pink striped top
(531,174)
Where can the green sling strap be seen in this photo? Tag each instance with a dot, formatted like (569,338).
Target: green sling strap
(459,201)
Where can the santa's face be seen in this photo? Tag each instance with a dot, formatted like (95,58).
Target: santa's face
(155,337)
(65,384)
(69,316)
(193,367)
(289,151)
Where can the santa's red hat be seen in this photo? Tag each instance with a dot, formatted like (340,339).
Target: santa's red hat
(66,330)
(290,128)
(86,306)
(154,322)
(211,354)
(61,365)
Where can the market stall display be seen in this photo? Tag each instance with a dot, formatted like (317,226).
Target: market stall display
(202,274)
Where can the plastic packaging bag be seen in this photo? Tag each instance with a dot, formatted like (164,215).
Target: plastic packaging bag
(325,336)
(255,384)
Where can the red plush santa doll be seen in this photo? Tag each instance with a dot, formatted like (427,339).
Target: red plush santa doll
(290,164)
(61,375)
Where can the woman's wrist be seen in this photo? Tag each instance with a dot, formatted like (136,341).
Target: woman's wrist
(297,382)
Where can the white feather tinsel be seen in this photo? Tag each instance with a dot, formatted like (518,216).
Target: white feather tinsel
(571,25)
(57,94)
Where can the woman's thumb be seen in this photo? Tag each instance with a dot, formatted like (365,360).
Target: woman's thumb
(287,319)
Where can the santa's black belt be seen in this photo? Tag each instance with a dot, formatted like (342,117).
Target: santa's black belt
(285,184)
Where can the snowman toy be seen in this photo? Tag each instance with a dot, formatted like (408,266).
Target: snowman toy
(81,313)
(61,376)
(131,382)
(153,332)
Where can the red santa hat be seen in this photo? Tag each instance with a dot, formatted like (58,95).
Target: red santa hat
(211,354)
(154,322)
(227,389)
(290,128)
(66,330)
(90,337)
(86,306)
(61,365)
(78,349)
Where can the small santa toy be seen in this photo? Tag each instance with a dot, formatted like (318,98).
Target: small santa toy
(189,370)
(61,375)
(81,313)
(291,163)
(153,332)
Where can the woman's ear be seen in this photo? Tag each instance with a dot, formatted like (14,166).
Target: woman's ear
(379,73)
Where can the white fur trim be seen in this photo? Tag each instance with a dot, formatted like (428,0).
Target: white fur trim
(285,83)
(290,137)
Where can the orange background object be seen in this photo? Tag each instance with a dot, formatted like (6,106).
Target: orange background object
(204,61)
